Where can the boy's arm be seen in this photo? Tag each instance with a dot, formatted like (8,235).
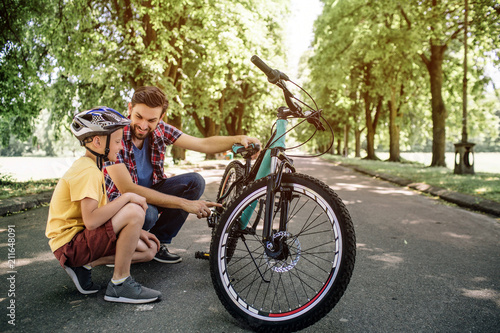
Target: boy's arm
(94,216)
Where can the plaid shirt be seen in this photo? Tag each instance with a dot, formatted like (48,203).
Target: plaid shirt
(163,136)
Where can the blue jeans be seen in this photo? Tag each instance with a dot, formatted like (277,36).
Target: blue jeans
(188,186)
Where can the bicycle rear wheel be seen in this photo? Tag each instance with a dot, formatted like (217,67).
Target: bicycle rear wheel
(309,268)
(234,170)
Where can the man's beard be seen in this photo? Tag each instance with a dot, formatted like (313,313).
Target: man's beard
(139,136)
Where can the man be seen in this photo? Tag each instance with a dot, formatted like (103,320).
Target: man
(139,168)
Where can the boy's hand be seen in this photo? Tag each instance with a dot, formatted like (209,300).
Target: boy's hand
(137,199)
(149,238)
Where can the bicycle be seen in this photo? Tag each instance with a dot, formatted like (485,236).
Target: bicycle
(283,245)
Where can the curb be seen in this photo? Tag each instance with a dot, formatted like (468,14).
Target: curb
(18,204)
(463,200)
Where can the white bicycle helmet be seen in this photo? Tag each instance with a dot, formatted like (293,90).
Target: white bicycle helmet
(97,121)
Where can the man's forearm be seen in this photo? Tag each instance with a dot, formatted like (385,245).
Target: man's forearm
(154,197)
(218,144)
(212,144)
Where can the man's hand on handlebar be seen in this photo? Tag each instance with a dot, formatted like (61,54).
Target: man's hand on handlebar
(246,140)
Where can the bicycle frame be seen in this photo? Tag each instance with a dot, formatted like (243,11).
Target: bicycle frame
(272,163)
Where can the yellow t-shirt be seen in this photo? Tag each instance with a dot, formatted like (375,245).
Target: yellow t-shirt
(82,180)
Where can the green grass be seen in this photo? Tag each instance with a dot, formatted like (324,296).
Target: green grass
(483,185)
(11,188)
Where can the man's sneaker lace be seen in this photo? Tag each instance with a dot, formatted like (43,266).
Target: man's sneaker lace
(130,292)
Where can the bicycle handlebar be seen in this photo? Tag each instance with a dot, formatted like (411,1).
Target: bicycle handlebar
(273,75)
(313,116)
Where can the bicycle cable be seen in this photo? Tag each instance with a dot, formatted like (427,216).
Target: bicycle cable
(314,113)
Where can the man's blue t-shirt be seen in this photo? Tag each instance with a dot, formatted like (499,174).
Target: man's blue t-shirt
(143,162)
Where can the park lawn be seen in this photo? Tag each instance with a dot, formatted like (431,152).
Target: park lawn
(11,188)
(483,185)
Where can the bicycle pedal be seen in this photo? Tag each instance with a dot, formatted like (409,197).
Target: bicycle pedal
(202,255)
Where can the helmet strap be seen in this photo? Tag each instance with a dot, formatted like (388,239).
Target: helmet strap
(100,158)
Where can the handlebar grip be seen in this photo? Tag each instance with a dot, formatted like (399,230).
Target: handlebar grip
(237,148)
(246,152)
(261,65)
(273,75)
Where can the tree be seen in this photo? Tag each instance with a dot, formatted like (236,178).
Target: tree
(191,49)
(382,50)
(365,42)
(26,28)
(440,24)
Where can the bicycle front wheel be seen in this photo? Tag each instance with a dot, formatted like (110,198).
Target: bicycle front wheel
(299,279)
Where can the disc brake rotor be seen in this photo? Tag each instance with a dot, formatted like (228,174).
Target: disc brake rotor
(289,255)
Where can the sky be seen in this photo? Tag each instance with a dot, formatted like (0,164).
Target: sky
(300,30)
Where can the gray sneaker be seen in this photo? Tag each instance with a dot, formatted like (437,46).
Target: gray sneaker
(82,278)
(130,292)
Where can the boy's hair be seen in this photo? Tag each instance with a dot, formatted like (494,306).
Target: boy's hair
(151,96)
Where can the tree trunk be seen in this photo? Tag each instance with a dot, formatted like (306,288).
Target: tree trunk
(439,114)
(347,128)
(394,128)
(371,126)
(212,129)
(357,136)
(178,154)
(207,125)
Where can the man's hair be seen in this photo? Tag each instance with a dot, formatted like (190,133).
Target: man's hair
(151,96)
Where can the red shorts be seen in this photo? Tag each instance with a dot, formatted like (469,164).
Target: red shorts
(87,246)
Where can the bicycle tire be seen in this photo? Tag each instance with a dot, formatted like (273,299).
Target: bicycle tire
(310,277)
(234,170)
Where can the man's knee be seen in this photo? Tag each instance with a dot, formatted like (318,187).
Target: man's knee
(197,184)
(151,217)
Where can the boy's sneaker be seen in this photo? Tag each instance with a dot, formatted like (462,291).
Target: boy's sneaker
(166,257)
(130,292)
(82,278)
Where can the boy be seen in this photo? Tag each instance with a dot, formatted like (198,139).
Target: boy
(84,230)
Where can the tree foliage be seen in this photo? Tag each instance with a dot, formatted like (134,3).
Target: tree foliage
(398,61)
(197,51)
(26,27)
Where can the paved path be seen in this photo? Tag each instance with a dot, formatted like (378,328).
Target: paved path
(422,266)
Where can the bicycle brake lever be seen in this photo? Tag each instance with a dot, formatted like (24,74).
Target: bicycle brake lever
(294,107)
(313,118)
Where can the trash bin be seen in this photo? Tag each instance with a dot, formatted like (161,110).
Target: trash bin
(464,158)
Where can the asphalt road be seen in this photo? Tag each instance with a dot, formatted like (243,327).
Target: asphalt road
(421,266)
